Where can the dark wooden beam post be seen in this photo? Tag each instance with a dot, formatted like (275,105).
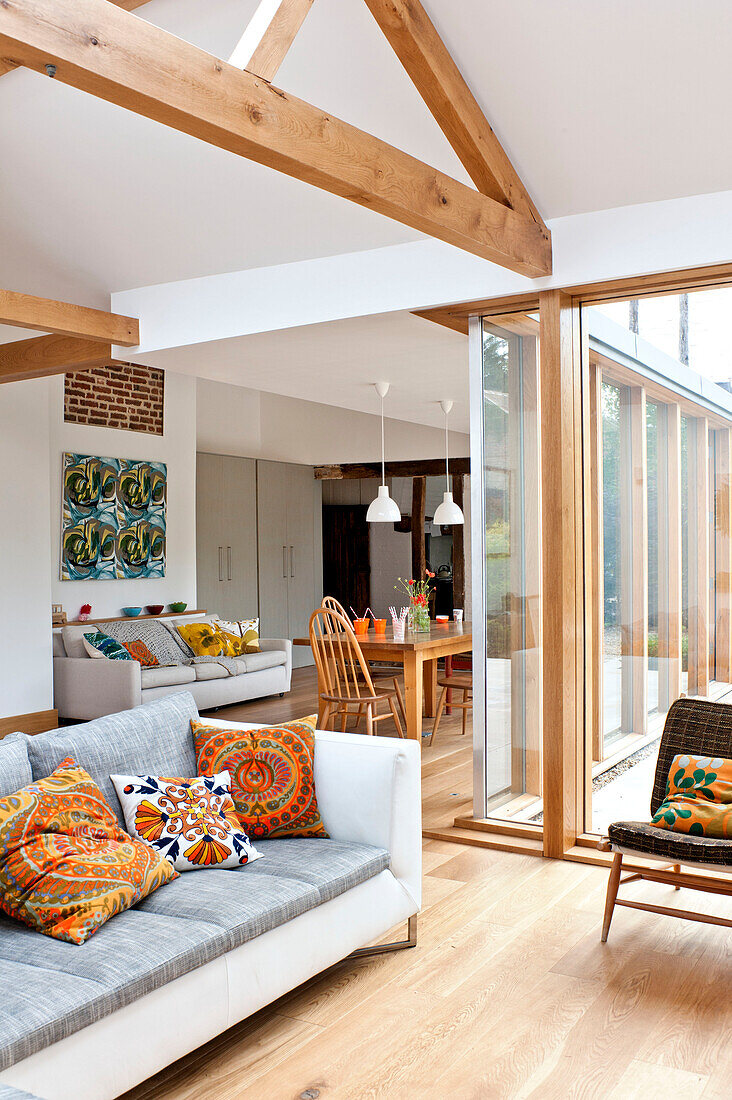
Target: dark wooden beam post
(419,498)
(458,545)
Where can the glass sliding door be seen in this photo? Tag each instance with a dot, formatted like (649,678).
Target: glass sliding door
(508,571)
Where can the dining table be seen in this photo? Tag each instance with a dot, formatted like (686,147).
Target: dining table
(418,654)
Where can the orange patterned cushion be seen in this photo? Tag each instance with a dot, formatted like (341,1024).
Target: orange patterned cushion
(66,866)
(272,775)
(139,652)
(698,797)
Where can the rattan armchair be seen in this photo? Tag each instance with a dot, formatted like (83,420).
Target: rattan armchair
(695,727)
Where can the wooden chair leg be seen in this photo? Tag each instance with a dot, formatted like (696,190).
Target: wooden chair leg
(465,709)
(677,869)
(344,719)
(400,701)
(612,893)
(438,716)
(395,716)
(370,719)
(328,716)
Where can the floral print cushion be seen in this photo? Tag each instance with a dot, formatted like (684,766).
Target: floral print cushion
(272,775)
(698,797)
(66,866)
(191,822)
(206,640)
(246,630)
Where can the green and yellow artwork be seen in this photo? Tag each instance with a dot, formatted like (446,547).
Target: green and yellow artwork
(113,518)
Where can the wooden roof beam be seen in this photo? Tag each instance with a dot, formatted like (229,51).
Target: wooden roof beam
(438,80)
(423,467)
(47,315)
(268,37)
(48,355)
(100,49)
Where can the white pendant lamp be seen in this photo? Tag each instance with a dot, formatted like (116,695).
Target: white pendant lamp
(448,513)
(383,509)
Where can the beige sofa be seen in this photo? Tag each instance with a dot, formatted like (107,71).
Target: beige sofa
(87,688)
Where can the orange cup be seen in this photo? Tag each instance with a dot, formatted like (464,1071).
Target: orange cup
(442,619)
(361,626)
(380,626)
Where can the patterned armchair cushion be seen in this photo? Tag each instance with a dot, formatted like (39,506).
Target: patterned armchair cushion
(698,797)
(272,775)
(192,822)
(66,866)
(99,645)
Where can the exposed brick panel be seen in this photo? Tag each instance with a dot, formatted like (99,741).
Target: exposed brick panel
(127,397)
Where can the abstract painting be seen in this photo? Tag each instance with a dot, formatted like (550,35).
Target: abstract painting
(113,518)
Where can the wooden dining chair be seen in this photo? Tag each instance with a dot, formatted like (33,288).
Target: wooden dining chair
(456,681)
(380,679)
(342,669)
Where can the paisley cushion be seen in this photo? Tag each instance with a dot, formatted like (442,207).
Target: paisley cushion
(138,651)
(101,645)
(272,775)
(66,866)
(190,821)
(698,797)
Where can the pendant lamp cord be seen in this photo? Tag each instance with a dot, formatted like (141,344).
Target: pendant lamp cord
(383,478)
(447,461)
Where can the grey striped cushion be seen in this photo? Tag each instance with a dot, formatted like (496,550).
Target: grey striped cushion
(15,769)
(7,1092)
(162,643)
(52,989)
(154,738)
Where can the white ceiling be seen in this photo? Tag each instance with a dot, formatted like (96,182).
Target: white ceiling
(337,364)
(598,104)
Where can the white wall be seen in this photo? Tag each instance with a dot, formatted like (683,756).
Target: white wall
(234,420)
(177,448)
(25,550)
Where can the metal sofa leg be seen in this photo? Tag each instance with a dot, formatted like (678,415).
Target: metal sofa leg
(384,948)
(612,893)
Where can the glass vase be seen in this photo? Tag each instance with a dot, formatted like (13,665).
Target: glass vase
(419,616)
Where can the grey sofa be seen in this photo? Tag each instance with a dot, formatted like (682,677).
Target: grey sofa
(203,952)
(87,688)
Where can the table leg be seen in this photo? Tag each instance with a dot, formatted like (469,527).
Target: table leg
(413,695)
(448,672)
(430,688)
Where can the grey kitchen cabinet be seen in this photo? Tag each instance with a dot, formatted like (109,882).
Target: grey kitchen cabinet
(289,513)
(226,536)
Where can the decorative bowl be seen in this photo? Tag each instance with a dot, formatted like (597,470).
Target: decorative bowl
(132,612)
(178,608)
(155,608)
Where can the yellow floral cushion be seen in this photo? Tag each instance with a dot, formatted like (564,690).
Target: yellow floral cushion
(66,866)
(206,640)
(244,633)
(698,797)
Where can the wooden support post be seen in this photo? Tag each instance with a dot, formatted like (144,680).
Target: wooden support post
(698,506)
(723,554)
(669,555)
(562,611)
(419,497)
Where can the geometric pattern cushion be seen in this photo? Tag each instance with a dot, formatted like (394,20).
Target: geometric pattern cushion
(66,866)
(140,653)
(698,797)
(272,775)
(191,822)
(101,645)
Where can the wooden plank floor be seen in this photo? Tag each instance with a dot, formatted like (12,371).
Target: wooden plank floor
(508,994)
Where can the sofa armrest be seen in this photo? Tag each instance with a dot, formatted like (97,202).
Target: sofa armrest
(84,687)
(283,644)
(369,790)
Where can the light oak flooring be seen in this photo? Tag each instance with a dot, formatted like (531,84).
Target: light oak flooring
(509,993)
(447,765)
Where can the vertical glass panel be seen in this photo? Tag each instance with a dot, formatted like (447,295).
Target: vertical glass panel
(612,560)
(512,572)
(654,553)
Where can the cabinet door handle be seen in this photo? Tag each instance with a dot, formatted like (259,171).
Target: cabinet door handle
(221,563)
(284,561)
(292,561)
(228,557)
